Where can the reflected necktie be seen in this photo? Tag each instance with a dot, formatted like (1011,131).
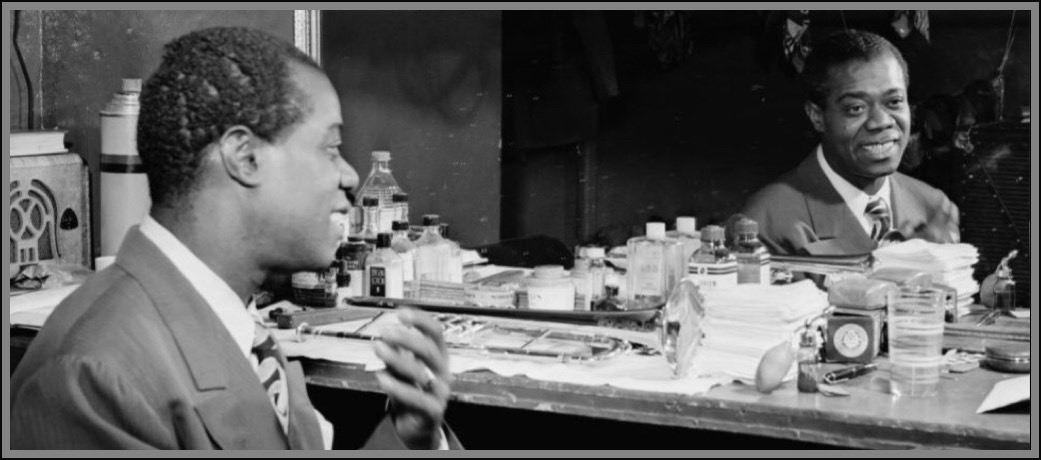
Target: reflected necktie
(881,221)
(271,368)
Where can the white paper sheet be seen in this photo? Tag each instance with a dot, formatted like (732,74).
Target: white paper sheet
(1006,393)
(32,309)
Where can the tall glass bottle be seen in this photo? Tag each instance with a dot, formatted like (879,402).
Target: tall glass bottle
(686,231)
(598,271)
(380,185)
(655,266)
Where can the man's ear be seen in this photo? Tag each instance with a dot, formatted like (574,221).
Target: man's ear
(816,115)
(237,150)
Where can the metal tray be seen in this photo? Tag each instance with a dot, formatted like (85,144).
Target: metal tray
(580,317)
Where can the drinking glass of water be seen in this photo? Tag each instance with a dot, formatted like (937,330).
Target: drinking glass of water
(915,341)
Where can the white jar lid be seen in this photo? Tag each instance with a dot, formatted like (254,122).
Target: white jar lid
(686,225)
(549,272)
(656,230)
(595,252)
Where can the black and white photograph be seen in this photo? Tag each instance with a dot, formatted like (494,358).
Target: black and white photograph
(520,227)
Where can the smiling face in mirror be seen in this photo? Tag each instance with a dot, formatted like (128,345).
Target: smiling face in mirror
(865,122)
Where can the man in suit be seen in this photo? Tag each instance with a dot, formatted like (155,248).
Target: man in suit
(239,134)
(847,196)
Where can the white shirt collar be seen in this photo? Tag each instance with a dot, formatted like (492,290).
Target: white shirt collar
(235,316)
(855,198)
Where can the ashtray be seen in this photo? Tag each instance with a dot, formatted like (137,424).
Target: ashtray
(1014,358)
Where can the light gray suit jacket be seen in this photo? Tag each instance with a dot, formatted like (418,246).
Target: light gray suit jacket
(802,213)
(136,359)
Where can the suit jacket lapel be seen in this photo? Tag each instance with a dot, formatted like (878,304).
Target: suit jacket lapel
(907,218)
(838,231)
(304,431)
(232,403)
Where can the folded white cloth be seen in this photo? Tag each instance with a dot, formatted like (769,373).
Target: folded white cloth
(950,264)
(744,321)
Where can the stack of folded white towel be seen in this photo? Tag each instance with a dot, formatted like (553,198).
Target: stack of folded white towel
(742,322)
(950,264)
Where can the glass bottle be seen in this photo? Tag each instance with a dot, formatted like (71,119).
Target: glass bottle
(432,251)
(686,231)
(809,366)
(655,267)
(405,248)
(597,274)
(371,211)
(400,201)
(380,184)
(384,275)
(712,265)
(753,259)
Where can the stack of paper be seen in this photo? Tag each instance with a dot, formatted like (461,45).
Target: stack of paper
(37,142)
(950,264)
(744,321)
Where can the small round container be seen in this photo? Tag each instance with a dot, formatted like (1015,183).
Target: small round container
(1013,358)
(550,289)
(314,289)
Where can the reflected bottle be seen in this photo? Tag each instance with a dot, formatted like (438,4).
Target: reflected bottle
(753,259)
(713,266)
(432,251)
(405,248)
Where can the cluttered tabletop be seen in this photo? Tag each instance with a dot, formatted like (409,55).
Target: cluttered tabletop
(874,353)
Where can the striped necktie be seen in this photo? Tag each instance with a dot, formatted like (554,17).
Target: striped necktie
(881,221)
(271,368)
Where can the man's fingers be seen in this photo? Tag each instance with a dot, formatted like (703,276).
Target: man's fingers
(424,322)
(419,344)
(408,397)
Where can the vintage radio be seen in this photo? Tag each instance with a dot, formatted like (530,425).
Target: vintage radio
(49,210)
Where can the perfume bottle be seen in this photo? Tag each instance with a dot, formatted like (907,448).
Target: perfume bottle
(713,265)
(686,231)
(655,266)
(753,259)
(809,364)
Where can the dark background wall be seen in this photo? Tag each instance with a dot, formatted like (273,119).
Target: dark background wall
(698,137)
(78,58)
(694,138)
(425,85)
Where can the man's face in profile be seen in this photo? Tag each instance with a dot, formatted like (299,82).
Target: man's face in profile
(866,120)
(306,178)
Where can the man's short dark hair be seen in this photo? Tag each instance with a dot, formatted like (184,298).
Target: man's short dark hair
(839,48)
(209,81)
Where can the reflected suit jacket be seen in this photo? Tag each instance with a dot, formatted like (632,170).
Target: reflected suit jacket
(803,214)
(136,359)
